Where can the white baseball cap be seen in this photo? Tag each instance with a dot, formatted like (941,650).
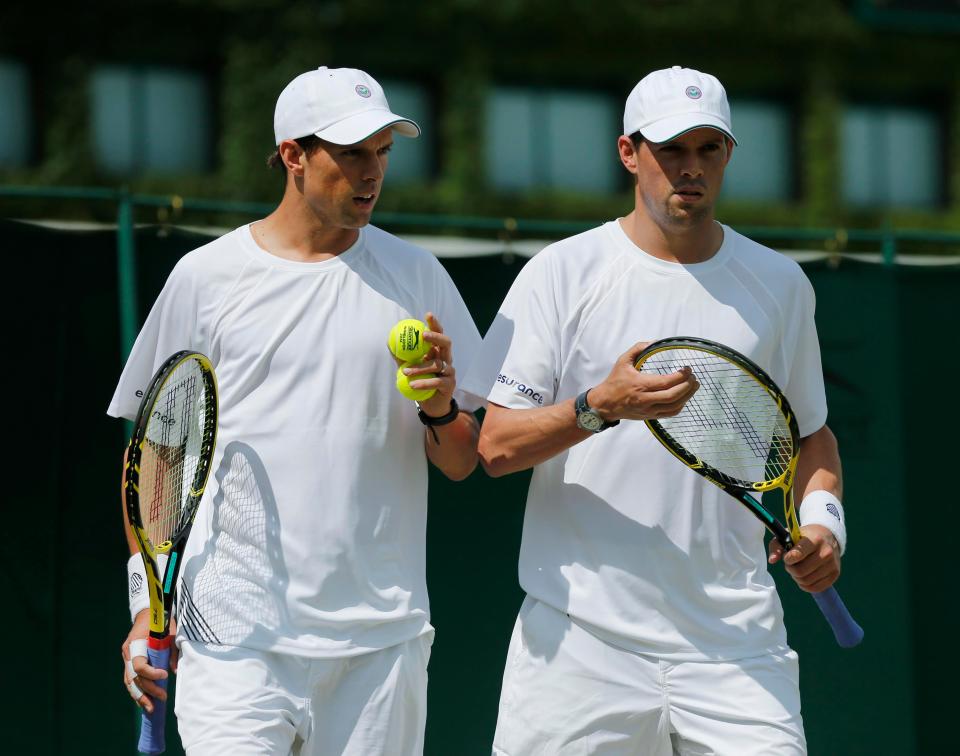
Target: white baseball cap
(673,101)
(339,105)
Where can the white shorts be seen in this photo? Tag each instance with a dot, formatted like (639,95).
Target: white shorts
(567,692)
(240,702)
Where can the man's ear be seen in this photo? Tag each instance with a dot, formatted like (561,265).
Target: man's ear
(730,146)
(628,154)
(292,155)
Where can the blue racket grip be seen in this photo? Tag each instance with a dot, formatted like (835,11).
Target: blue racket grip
(845,628)
(152,739)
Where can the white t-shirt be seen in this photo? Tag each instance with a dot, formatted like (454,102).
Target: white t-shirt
(310,538)
(618,533)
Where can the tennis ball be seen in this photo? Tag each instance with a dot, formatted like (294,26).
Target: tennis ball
(403,385)
(406,341)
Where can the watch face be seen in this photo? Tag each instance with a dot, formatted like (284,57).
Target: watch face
(589,421)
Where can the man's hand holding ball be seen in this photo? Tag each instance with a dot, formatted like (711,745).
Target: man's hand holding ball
(425,355)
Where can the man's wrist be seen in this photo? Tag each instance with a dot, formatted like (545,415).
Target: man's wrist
(138,595)
(434,421)
(596,400)
(823,508)
(428,418)
(587,417)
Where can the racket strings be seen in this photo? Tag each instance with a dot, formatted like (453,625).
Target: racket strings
(171,452)
(731,423)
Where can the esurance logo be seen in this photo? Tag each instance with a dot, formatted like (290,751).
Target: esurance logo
(157,415)
(520,387)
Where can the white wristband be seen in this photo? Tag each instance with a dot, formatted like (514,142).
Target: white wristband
(138,591)
(823,508)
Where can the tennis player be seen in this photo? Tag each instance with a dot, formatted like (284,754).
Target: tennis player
(651,624)
(304,624)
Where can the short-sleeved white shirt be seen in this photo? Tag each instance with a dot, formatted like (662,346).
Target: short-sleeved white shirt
(617,533)
(310,538)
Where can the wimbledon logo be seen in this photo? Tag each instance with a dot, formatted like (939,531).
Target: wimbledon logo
(362,90)
(694,93)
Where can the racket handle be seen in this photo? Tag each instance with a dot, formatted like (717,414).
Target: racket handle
(845,628)
(152,737)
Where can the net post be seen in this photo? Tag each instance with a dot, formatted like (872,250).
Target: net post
(126,277)
(889,246)
(126,271)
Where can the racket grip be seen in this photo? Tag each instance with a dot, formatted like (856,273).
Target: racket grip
(845,628)
(152,736)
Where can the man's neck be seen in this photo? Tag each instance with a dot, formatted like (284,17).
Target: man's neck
(293,232)
(678,243)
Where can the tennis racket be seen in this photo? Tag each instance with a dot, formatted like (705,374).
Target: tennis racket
(168,462)
(739,432)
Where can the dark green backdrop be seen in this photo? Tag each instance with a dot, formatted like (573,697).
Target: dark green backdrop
(889,349)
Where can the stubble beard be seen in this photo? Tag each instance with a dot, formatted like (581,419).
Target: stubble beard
(680,219)
(342,215)
(687,217)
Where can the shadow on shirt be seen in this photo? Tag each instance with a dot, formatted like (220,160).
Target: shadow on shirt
(233,592)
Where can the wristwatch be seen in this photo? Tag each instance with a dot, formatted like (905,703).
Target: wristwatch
(588,418)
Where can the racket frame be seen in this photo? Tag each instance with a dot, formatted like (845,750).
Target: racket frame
(162,587)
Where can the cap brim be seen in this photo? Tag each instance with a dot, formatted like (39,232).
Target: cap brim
(360,126)
(670,128)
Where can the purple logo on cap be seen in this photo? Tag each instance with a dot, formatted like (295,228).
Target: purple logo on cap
(693,93)
(362,90)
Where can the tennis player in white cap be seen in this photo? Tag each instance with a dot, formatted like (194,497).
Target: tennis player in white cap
(651,624)
(304,624)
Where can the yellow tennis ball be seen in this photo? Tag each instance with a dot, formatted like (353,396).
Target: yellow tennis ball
(406,341)
(403,385)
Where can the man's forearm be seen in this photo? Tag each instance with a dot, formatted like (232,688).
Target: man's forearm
(819,466)
(456,453)
(516,439)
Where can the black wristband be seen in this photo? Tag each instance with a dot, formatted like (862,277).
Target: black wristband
(442,419)
(430,422)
